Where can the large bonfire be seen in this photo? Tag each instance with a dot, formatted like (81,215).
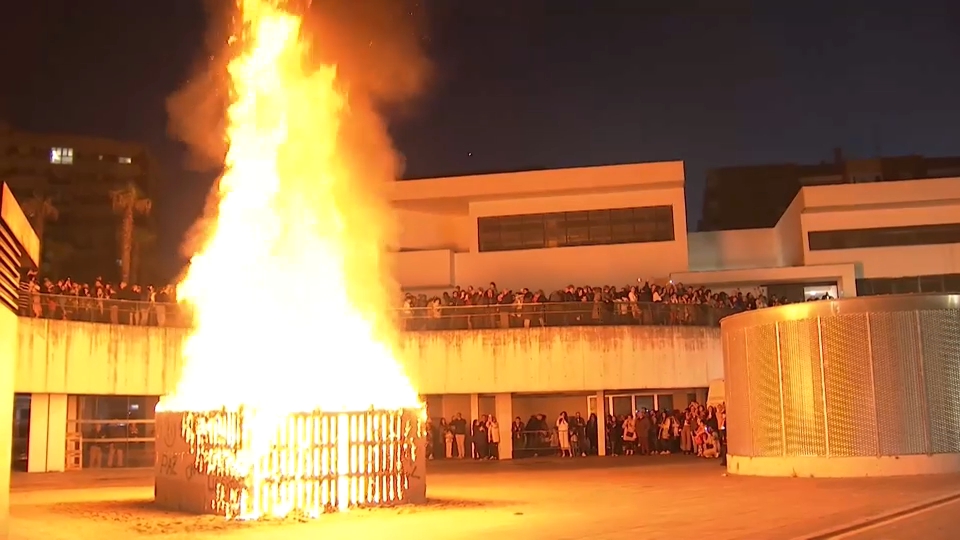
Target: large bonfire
(289,317)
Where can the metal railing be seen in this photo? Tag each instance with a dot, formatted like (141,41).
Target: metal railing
(560,314)
(531,315)
(106,310)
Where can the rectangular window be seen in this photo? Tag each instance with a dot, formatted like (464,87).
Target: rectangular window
(577,225)
(61,156)
(125,160)
(914,235)
(511,232)
(934,283)
(580,228)
(533,232)
(600,227)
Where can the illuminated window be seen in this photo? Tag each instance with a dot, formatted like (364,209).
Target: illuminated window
(125,160)
(61,156)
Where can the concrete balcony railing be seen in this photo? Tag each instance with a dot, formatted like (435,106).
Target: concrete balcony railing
(481,317)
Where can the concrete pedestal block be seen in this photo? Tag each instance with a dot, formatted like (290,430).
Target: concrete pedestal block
(215,463)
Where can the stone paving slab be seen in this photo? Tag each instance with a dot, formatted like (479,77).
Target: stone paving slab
(613,498)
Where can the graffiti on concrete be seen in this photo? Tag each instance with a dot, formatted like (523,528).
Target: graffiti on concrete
(167,465)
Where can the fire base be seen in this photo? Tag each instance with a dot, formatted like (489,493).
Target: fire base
(317,462)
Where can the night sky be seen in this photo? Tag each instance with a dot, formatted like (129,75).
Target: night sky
(520,84)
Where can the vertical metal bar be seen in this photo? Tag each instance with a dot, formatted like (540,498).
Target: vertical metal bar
(873,385)
(823,388)
(924,403)
(747,387)
(783,414)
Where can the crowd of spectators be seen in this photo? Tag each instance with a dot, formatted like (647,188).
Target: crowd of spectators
(645,303)
(697,430)
(101,301)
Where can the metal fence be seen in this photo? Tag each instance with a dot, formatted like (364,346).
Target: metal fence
(130,312)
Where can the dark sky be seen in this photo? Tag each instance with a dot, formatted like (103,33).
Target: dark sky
(542,83)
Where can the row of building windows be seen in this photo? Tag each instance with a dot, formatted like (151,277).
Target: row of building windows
(582,228)
(940,283)
(912,235)
(61,155)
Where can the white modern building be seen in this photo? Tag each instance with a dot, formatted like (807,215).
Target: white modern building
(539,229)
(613,225)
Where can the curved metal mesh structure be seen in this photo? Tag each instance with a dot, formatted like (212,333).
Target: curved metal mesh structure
(858,377)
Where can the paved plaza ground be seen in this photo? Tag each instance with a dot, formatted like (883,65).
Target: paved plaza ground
(666,497)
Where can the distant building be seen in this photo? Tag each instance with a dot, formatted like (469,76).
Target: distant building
(75,175)
(755,196)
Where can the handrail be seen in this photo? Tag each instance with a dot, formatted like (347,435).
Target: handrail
(436,317)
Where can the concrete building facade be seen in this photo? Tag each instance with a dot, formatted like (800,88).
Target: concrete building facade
(540,229)
(19,248)
(64,183)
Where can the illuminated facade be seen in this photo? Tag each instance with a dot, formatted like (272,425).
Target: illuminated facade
(76,174)
(19,248)
(609,225)
(865,386)
(613,225)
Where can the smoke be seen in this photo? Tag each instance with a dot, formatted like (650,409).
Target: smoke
(376,46)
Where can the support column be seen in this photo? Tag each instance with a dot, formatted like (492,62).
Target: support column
(601,423)
(48,433)
(57,433)
(474,407)
(503,404)
(37,443)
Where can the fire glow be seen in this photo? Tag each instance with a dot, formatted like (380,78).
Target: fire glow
(291,352)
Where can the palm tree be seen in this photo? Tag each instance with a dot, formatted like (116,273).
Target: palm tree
(143,241)
(39,209)
(128,202)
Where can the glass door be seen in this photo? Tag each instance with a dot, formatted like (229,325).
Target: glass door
(621,405)
(644,402)
(664,402)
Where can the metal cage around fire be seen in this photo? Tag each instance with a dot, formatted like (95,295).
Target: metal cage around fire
(240,464)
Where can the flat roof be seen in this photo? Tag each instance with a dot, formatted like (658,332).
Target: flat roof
(465,189)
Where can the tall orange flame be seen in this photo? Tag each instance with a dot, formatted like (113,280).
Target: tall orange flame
(278,325)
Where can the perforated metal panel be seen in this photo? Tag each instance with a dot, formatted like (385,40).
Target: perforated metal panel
(803,406)
(764,397)
(739,440)
(875,376)
(898,379)
(940,339)
(848,386)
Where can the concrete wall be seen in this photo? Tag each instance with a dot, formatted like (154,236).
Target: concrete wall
(731,250)
(884,204)
(8,353)
(888,261)
(66,357)
(437,220)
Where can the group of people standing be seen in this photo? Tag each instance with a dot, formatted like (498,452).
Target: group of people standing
(696,430)
(480,439)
